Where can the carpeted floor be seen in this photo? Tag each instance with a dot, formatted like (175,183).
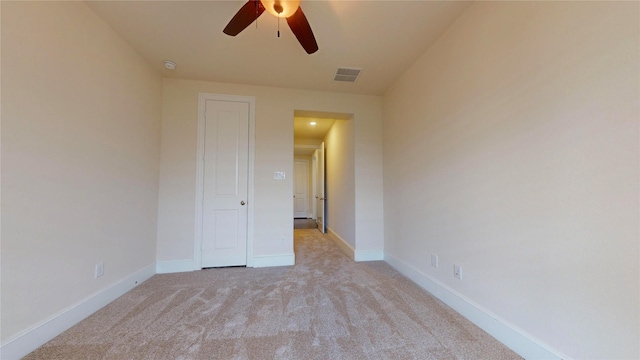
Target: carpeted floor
(324,307)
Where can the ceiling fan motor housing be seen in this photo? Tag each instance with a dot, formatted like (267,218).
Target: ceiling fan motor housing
(281,8)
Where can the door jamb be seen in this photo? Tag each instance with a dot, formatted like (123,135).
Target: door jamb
(197,244)
(314,180)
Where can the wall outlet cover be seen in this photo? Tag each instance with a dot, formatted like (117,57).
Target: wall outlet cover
(99,269)
(457,272)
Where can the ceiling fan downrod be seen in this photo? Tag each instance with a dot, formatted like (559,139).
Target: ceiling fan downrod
(258,12)
(278,8)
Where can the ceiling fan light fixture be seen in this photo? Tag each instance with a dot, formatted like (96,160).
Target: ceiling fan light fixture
(281,8)
(289,9)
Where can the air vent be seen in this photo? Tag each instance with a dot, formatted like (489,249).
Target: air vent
(347,74)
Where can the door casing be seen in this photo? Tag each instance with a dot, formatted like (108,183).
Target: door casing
(321,190)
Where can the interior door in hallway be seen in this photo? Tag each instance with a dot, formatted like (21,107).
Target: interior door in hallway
(225,184)
(301,189)
(320,190)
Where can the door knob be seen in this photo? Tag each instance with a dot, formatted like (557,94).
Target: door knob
(242,202)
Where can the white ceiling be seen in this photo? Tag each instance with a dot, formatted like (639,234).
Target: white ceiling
(382,37)
(302,128)
(308,137)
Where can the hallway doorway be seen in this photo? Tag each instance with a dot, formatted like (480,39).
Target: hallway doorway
(317,134)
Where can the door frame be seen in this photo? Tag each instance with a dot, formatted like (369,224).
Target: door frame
(314,190)
(323,183)
(197,242)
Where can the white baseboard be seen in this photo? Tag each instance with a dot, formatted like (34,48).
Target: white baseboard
(30,339)
(370,255)
(342,243)
(512,337)
(274,260)
(356,255)
(174,266)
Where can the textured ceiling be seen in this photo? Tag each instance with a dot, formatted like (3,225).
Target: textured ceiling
(382,37)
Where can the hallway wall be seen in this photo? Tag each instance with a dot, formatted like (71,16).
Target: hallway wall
(340,180)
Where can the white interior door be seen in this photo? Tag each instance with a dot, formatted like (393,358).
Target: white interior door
(314,187)
(225,184)
(320,190)
(300,189)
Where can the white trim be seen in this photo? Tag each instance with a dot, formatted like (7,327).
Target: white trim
(174,266)
(511,336)
(356,255)
(274,260)
(342,243)
(368,255)
(305,147)
(30,339)
(314,186)
(197,242)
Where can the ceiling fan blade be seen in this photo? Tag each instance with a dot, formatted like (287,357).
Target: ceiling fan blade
(302,30)
(247,14)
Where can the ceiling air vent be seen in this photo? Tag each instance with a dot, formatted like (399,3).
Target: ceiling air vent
(347,74)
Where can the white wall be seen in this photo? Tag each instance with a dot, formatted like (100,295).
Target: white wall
(81,118)
(340,180)
(273,152)
(369,213)
(525,116)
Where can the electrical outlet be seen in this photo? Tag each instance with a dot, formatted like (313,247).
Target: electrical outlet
(457,272)
(434,260)
(99,269)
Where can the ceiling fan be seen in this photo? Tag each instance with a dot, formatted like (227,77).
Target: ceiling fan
(289,9)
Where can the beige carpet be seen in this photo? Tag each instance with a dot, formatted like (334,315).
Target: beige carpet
(324,307)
